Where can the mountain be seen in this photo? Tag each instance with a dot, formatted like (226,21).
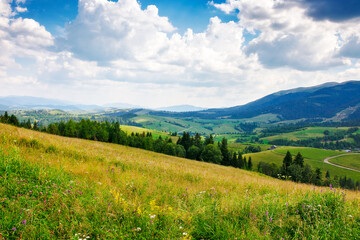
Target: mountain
(319,102)
(27,102)
(180,108)
(121,105)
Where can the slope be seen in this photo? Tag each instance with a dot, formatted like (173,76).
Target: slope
(48,184)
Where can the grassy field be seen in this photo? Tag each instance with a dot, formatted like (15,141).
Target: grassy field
(313,156)
(53,187)
(309,132)
(351,161)
(156,134)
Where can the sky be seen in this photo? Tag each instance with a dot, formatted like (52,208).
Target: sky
(156,53)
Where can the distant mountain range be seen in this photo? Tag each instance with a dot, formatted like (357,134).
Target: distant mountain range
(181,108)
(32,103)
(327,102)
(333,101)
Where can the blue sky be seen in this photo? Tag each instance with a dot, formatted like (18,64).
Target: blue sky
(183,14)
(156,52)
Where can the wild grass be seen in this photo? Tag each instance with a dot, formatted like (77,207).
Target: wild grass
(53,187)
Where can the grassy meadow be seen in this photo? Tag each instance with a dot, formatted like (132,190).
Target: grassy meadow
(350,161)
(308,132)
(156,134)
(53,187)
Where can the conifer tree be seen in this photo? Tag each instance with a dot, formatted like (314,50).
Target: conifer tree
(209,140)
(299,160)
(250,165)
(36,127)
(327,176)
(234,160)
(225,152)
(287,162)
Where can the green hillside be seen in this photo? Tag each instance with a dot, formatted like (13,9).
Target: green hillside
(309,132)
(53,187)
(350,161)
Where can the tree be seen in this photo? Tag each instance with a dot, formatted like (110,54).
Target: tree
(250,165)
(28,124)
(240,161)
(307,174)
(14,121)
(169,149)
(245,164)
(318,177)
(36,127)
(225,152)
(211,154)
(327,174)
(296,172)
(180,151)
(209,140)
(197,141)
(287,161)
(299,160)
(234,160)
(193,152)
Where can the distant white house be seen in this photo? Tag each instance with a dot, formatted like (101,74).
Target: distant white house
(273,147)
(348,151)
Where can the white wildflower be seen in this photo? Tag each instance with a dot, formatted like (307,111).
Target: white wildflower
(180,227)
(138,229)
(152,216)
(350,216)
(185,234)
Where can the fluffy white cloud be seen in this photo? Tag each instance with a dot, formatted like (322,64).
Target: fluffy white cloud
(118,52)
(117,30)
(288,37)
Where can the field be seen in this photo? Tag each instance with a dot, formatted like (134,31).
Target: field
(309,132)
(313,156)
(48,183)
(156,134)
(351,161)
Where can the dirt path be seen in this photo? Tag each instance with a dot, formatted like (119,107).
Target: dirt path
(326,160)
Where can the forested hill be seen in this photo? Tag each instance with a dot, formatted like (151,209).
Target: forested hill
(324,101)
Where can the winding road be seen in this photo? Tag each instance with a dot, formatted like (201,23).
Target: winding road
(326,160)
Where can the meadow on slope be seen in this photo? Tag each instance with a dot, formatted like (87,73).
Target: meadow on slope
(54,187)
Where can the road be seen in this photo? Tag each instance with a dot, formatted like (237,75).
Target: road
(326,160)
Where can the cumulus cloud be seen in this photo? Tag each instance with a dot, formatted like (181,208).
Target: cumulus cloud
(288,36)
(115,51)
(117,30)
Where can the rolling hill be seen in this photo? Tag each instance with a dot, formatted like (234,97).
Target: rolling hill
(47,184)
(315,103)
